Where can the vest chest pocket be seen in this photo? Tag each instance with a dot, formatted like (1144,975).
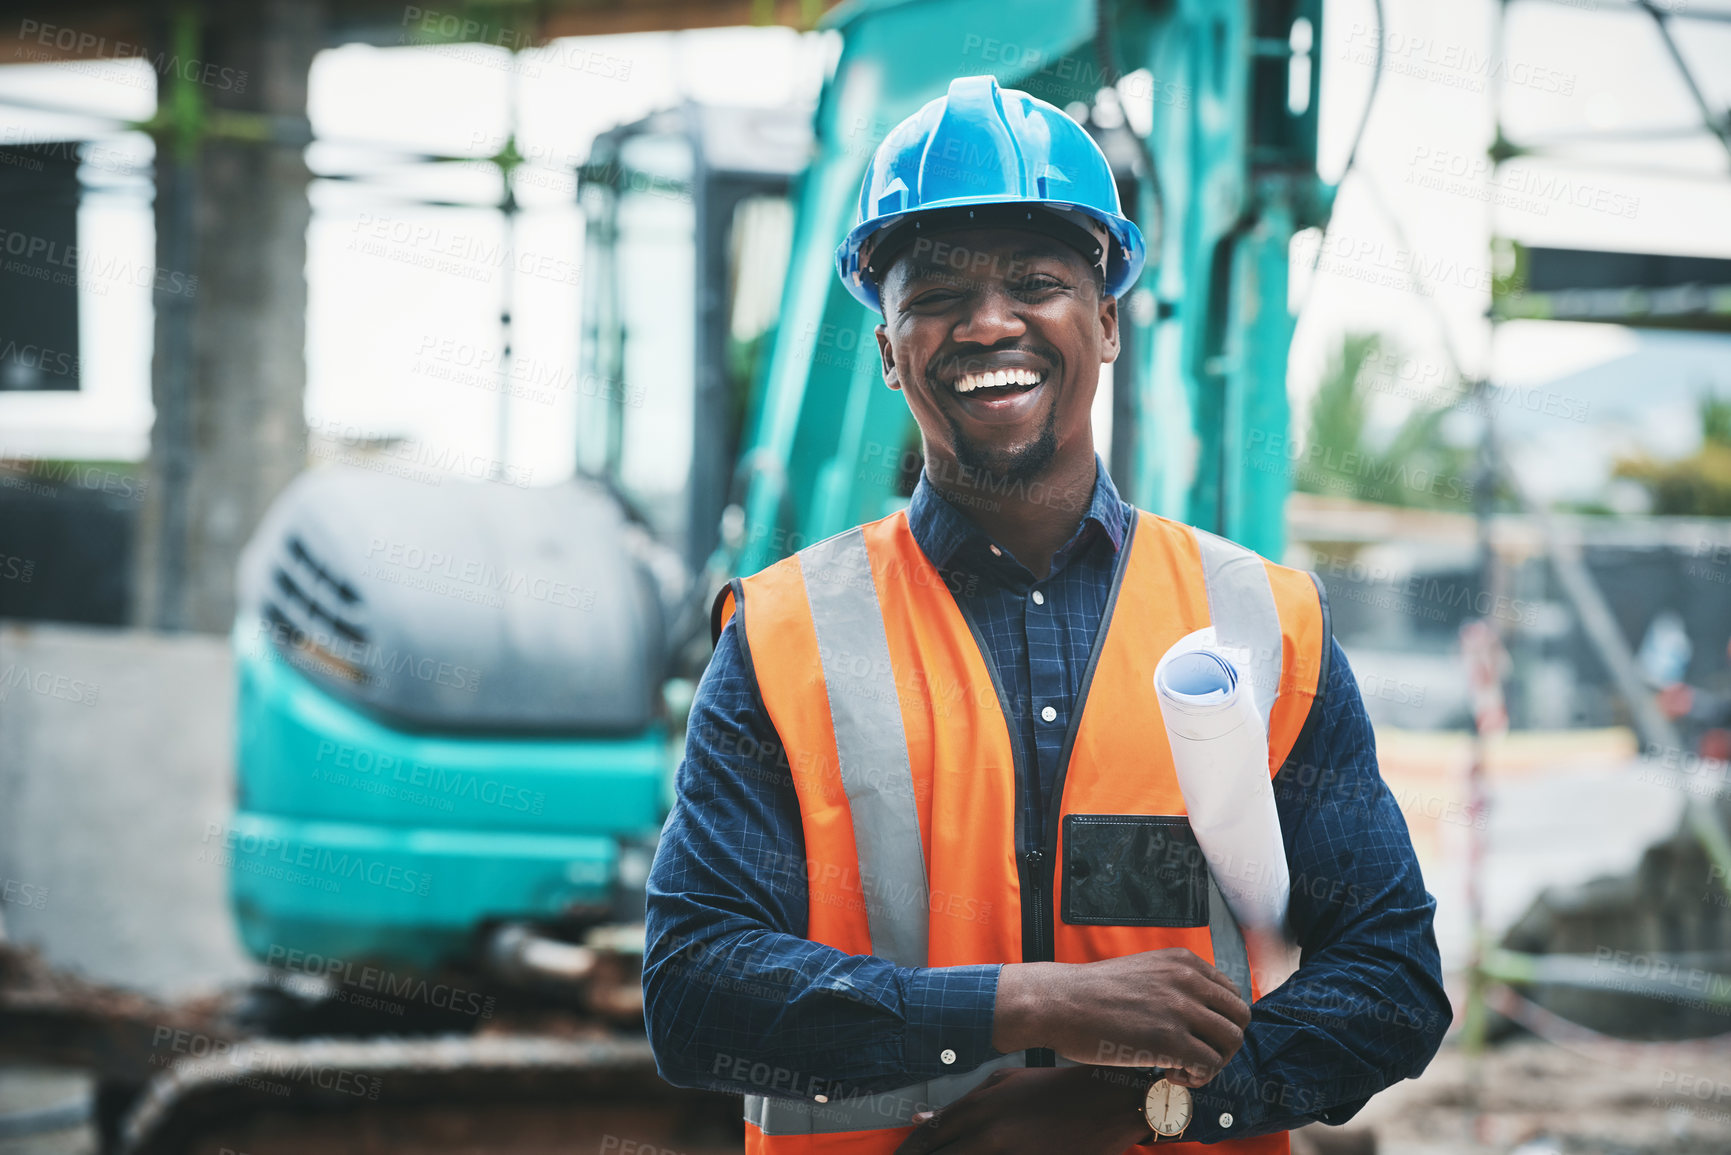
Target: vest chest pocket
(1133,870)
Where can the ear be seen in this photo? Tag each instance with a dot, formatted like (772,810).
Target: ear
(892,375)
(1109,341)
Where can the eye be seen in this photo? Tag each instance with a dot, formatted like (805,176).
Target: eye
(932,298)
(1037,284)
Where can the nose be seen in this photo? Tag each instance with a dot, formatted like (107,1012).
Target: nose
(995,317)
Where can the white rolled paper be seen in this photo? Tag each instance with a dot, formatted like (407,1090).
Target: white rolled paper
(1220,751)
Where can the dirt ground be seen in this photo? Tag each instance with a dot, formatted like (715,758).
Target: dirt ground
(1541,1099)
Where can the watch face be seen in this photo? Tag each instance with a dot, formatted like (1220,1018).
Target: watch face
(1167,1107)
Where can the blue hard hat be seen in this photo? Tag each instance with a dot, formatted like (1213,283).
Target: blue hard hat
(982,155)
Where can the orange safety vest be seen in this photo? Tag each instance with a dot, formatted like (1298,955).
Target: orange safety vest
(906,772)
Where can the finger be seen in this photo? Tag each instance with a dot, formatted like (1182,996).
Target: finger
(1222,1035)
(940,1130)
(1194,1049)
(1192,1077)
(1222,997)
(1219,976)
(925,1137)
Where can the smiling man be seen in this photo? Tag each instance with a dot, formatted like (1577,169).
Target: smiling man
(929,882)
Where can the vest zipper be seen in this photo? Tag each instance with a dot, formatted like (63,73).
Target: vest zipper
(1036,885)
(1041,947)
(1040,862)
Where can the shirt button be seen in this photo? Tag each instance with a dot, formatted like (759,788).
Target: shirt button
(996,552)
(1226,1118)
(1049,714)
(821,1098)
(947,1057)
(1039,598)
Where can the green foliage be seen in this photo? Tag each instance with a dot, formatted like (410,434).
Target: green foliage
(1698,485)
(1416,467)
(1715,419)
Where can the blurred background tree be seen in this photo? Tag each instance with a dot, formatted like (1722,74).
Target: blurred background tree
(1344,456)
(1698,485)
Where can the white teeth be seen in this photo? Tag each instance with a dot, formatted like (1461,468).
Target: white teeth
(997,379)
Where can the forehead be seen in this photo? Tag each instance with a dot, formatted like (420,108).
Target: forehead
(979,253)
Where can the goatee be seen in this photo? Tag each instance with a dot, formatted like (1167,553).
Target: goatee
(1002,467)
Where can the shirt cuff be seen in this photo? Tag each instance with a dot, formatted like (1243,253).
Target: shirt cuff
(949,1012)
(1215,1116)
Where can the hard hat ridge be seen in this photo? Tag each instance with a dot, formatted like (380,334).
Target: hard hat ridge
(977,146)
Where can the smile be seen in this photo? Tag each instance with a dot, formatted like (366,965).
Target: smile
(1014,380)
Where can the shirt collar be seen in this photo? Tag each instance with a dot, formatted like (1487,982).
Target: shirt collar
(943,529)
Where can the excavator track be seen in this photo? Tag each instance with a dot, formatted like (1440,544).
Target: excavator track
(519,1094)
(213,1077)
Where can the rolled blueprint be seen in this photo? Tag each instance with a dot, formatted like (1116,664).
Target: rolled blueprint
(1220,752)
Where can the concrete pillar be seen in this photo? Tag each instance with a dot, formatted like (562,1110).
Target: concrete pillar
(229,371)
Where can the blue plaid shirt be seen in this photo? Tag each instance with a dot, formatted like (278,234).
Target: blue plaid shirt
(738,999)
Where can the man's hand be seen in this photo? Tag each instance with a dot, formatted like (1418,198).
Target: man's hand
(1160,1008)
(1037,1110)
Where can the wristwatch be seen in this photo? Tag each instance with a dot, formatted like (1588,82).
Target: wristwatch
(1166,1109)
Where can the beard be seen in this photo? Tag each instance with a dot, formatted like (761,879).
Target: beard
(1009,466)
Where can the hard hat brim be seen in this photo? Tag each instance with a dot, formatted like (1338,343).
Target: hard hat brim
(1125,255)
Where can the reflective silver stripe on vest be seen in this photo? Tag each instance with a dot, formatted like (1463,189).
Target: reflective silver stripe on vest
(866,1112)
(1242,611)
(870,743)
(1230,956)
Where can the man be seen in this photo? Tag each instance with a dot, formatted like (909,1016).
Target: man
(929,883)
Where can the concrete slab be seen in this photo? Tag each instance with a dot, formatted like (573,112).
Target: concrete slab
(115,752)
